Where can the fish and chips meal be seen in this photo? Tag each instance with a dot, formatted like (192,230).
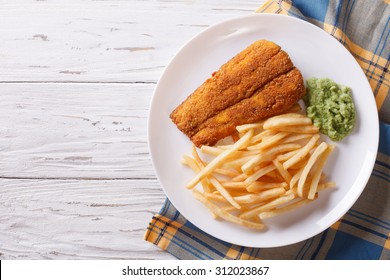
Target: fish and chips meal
(271,157)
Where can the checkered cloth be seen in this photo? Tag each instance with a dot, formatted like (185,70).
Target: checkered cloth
(363,27)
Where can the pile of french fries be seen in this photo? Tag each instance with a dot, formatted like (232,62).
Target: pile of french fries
(271,167)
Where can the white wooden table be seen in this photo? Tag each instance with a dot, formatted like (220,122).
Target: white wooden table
(76,80)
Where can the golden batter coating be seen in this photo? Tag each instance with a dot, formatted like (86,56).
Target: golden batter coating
(248,74)
(235,80)
(276,97)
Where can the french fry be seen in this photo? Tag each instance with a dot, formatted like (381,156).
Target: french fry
(320,187)
(262,135)
(295,178)
(273,175)
(261,186)
(240,178)
(298,129)
(216,196)
(260,197)
(228,208)
(214,151)
(207,187)
(284,209)
(256,219)
(326,185)
(259,173)
(290,115)
(238,192)
(217,161)
(283,172)
(224,214)
(318,172)
(286,156)
(268,155)
(301,163)
(296,137)
(227,172)
(269,141)
(312,160)
(246,127)
(237,162)
(234,185)
(270,205)
(286,120)
(302,153)
(224,146)
(273,167)
(196,156)
(187,160)
(218,186)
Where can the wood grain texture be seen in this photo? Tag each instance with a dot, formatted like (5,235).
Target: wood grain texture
(80,131)
(69,219)
(122,41)
(76,81)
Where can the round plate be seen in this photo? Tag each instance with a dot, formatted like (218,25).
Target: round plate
(316,54)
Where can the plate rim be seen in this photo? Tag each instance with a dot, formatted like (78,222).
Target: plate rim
(244,17)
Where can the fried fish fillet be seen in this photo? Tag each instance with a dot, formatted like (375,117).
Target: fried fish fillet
(235,80)
(276,97)
(243,79)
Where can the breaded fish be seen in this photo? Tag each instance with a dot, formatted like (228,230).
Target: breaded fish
(274,98)
(246,75)
(237,79)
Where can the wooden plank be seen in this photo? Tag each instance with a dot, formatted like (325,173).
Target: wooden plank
(83,129)
(101,41)
(66,219)
(74,131)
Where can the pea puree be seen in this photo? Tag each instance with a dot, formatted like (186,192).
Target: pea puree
(330,106)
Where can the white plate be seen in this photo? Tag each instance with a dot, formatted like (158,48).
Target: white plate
(316,54)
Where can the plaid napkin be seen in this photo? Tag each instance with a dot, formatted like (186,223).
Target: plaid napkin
(363,27)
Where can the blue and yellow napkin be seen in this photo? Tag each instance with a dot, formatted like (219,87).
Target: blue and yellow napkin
(363,27)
